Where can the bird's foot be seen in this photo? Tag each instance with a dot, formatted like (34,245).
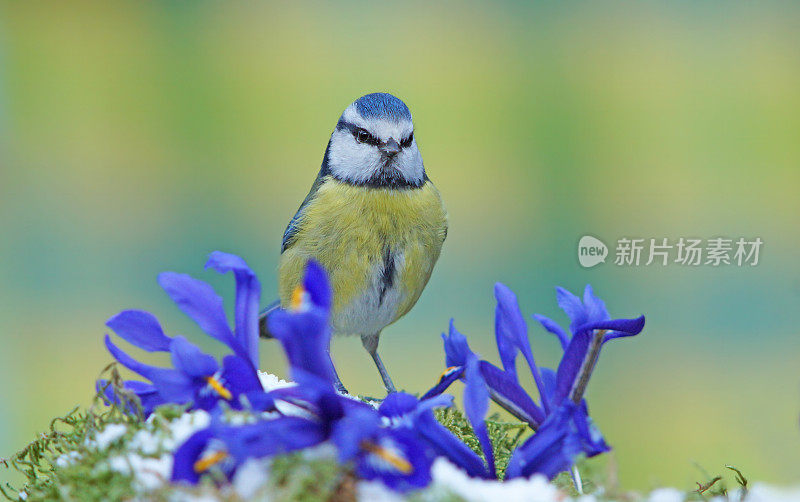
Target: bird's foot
(339,386)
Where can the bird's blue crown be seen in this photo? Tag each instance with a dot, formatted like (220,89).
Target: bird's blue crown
(382,105)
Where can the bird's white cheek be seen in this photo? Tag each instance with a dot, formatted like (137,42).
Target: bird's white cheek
(351,160)
(410,164)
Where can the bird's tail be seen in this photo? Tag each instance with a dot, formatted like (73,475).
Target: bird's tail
(263,329)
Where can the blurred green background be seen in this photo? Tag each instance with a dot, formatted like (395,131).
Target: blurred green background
(138,137)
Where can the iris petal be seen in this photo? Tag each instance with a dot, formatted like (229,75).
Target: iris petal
(510,327)
(570,365)
(593,441)
(397,404)
(549,379)
(624,327)
(240,376)
(147,394)
(551,326)
(187,454)
(351,430)
(248,295)
(447,378)
(140,328)
(198,300)
(399,460)
(447,445)
(506,392)
(572,306)
(305,337)
(317,284)
(476,405)
(132,364)
(551,450)
(271,437)
(456,348)
(595,307)
(189,359)
(174,386)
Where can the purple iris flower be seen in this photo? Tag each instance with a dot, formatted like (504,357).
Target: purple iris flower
(590,328)
(397,443)
(476,405)
(403,410)
(196,378)
(304,330)
(304,333)
(503,386)
(149,398)
(551,450)
(562,421)
(226,447)
(396,456)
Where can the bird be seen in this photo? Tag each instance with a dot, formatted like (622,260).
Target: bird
(372,219)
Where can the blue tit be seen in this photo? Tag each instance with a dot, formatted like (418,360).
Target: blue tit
(372,219)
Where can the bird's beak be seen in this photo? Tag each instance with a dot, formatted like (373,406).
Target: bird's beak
(390,148)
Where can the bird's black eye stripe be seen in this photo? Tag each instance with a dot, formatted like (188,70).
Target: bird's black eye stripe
(407,142)
(359,133)
(363,136)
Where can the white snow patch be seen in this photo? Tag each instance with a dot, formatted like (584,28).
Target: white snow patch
(666,495)
(67,459)
(156,438)
(251,477)
(192,496)
(186,425)
(120,464)
(764,493)
(148,473)
(375,491)
(108,436)
(146,442)
(292,410)
(23,495)
(323,451)
(272,382)
(450,478)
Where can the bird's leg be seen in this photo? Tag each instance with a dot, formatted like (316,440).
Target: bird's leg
(370,343)
(337,384)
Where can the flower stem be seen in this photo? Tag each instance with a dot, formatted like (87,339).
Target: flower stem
(576,479)
(589,362)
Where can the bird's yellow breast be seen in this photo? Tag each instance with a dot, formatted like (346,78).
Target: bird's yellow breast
(349,229)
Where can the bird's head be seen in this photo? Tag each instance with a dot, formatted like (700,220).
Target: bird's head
(374,144)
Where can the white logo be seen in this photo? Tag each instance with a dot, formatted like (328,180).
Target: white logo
(591,251)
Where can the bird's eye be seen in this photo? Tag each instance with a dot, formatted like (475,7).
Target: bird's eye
(362,136)
(407,142)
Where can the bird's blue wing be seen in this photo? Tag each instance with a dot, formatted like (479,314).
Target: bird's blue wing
(297,220)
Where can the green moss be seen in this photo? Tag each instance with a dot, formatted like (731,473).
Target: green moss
(505,436)
(425,496)
(457,423)
(46,480)
(87,477)
(295,477)
(717,486)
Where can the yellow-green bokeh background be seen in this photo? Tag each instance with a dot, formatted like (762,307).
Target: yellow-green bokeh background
(138,137)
